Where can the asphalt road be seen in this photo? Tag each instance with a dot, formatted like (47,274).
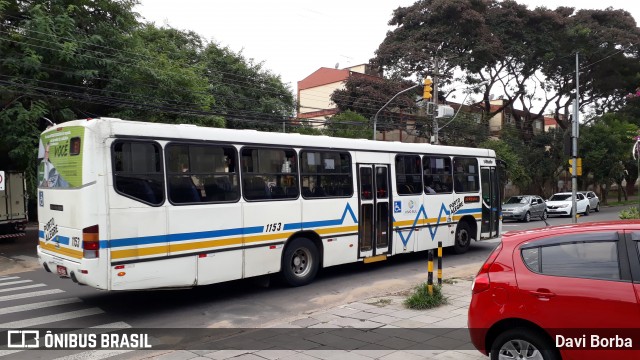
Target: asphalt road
(246,303)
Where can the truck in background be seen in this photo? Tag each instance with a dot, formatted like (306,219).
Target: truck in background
(13,204)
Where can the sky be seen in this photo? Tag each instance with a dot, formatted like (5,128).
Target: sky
(294,38)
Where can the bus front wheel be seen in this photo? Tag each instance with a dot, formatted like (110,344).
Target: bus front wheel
(300,262)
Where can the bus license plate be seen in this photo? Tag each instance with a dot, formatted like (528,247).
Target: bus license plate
(62,271)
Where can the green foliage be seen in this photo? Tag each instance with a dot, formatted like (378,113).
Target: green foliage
(517,172)
(421,300)
(605,147)
(522,52)
(68,59)
(630,213)
(349,124)
(367,94)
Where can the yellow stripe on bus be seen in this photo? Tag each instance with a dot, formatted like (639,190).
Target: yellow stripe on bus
(172,248)
(61,250)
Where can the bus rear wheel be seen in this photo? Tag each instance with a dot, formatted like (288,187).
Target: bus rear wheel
(463,238)
(300,262)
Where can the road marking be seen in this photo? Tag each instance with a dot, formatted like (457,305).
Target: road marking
(30,294)
(50,318)
(38,305)
(15,282)
(100,329)
(8,278)
(94,355)
(22,287)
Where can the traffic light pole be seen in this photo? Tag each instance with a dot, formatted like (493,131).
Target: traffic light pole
(375,117)
(574,150)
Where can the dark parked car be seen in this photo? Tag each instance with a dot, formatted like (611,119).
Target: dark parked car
(524,208)
(567,292)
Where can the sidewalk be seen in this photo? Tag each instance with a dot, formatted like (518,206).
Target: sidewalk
(366,330)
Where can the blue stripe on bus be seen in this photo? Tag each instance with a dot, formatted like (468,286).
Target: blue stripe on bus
(322,223)
(147,240)
(64,240)
(467,211)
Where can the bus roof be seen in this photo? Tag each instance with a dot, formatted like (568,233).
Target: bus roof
(112,127)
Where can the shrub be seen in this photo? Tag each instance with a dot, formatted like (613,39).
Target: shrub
(420,298)
(630,213)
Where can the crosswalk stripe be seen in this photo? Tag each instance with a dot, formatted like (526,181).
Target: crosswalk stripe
(15,282)
(8,278)
(38,305)
(22,287)
(99,329)
(50,318)
(94,355)
(30,294)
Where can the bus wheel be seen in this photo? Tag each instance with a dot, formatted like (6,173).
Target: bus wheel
(300,262)
(463,238)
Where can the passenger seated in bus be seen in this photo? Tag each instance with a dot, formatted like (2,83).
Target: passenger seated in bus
(183,190)
(428,186)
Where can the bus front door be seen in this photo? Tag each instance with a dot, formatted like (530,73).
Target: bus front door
(374,232)
(490,202)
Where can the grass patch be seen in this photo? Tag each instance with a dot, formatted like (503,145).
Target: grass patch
(421,300)
(630,213)
(381,302)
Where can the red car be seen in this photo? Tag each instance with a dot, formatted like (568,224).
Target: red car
(562,292)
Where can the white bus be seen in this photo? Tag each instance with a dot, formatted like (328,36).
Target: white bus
(132,205)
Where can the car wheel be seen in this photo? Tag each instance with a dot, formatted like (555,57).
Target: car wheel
(463,238)
(522,343)
(597,207)
(527,217)
(300,262)
(587,211)
(545,215)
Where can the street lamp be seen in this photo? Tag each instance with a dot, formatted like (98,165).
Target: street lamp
(437,128)
(375,117)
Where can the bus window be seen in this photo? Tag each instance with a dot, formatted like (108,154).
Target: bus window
(201,173)
(437,173)
(137,169)
(408,179)
(466,174)
(269,174)
(326,174)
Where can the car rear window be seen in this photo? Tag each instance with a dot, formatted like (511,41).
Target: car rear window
(596,260)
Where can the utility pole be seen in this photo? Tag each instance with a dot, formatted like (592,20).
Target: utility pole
(574,148)
(435,99)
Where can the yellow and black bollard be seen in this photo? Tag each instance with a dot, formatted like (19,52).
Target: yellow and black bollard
(440,263)
(430,275)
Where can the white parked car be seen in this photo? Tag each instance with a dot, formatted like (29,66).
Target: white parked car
(560,204)
(594,201)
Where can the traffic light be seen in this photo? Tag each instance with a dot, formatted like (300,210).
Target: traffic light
(427,89)
(578,166)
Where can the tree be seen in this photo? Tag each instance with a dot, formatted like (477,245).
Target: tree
(349,124)
(366,95)
(520,52)
(605,147)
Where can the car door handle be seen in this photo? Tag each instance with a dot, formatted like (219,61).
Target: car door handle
(542,293)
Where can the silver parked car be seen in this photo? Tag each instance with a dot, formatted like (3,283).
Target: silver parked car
(524,208)
(594,201)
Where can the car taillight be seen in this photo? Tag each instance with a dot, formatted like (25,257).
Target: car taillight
(482,281)
(91,242)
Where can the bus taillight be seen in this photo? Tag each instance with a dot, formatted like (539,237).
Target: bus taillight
(91,242)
